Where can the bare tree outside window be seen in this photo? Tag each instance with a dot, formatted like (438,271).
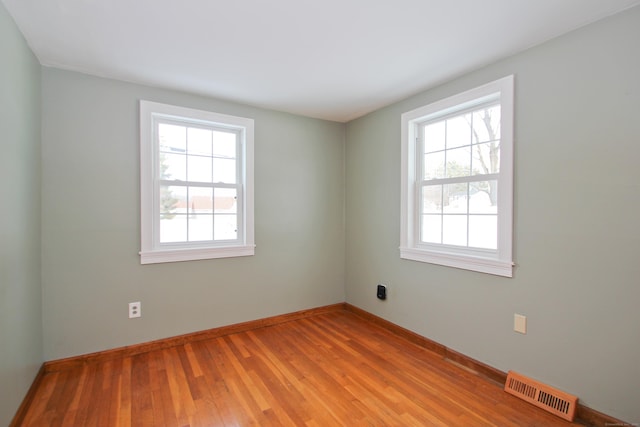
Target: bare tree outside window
(489,160)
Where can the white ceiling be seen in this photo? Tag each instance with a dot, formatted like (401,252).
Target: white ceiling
(331,59)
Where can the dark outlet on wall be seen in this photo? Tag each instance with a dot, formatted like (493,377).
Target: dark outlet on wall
(382,292)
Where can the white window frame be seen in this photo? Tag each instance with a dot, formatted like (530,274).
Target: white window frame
(498,262)
(152,251)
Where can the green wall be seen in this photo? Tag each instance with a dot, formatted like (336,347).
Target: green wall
(577,232)
(20,294)
(91,222)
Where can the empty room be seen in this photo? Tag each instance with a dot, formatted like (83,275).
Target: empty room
(331,213)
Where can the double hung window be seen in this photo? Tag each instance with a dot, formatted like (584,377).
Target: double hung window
(196,184)
(457,180)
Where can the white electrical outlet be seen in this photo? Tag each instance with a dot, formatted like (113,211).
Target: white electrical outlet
(520,323)
(135,309)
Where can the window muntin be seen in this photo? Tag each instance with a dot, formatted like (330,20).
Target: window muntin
(196,184)
(457,180)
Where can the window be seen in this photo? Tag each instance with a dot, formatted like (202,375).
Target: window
(196,184)
(457,180)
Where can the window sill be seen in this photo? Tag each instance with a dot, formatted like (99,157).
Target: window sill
(177,255)
(466,262)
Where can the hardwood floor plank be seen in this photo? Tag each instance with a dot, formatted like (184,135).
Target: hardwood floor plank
(124,413)
(301,397)
(229,408)
(206,404)
(412,372)
(379,370)
(330,369)
(160,393)
(319,377)
(288,399)
(193,361)
(241,386)
(37,409)
(141,400)
(181,397)
(114,393)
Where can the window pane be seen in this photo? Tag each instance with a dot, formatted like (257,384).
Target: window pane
(483,231)
(224,170)
(174,201)
(455,198)
(431,229)
(200,200)
(483,197)
(458,162)
(434,165)
(225,227)
(434,137)
(172,138)
(486,124)
(459,131)
(226,200)
(432,199)
(224,144)
(199,169)
(173,228)
(168,202)
(486,158)
(200,227)
(199,141)
(454,230)
(173,166)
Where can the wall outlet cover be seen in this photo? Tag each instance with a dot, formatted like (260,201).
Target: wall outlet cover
(135,309)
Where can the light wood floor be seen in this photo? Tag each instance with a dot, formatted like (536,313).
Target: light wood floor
(333,369)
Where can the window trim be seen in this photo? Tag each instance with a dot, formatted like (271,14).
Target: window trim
(497,262)
(152,252)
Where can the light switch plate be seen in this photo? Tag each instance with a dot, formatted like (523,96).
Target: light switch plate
(520,323)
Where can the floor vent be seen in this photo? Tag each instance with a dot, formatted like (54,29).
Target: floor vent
(548,398)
